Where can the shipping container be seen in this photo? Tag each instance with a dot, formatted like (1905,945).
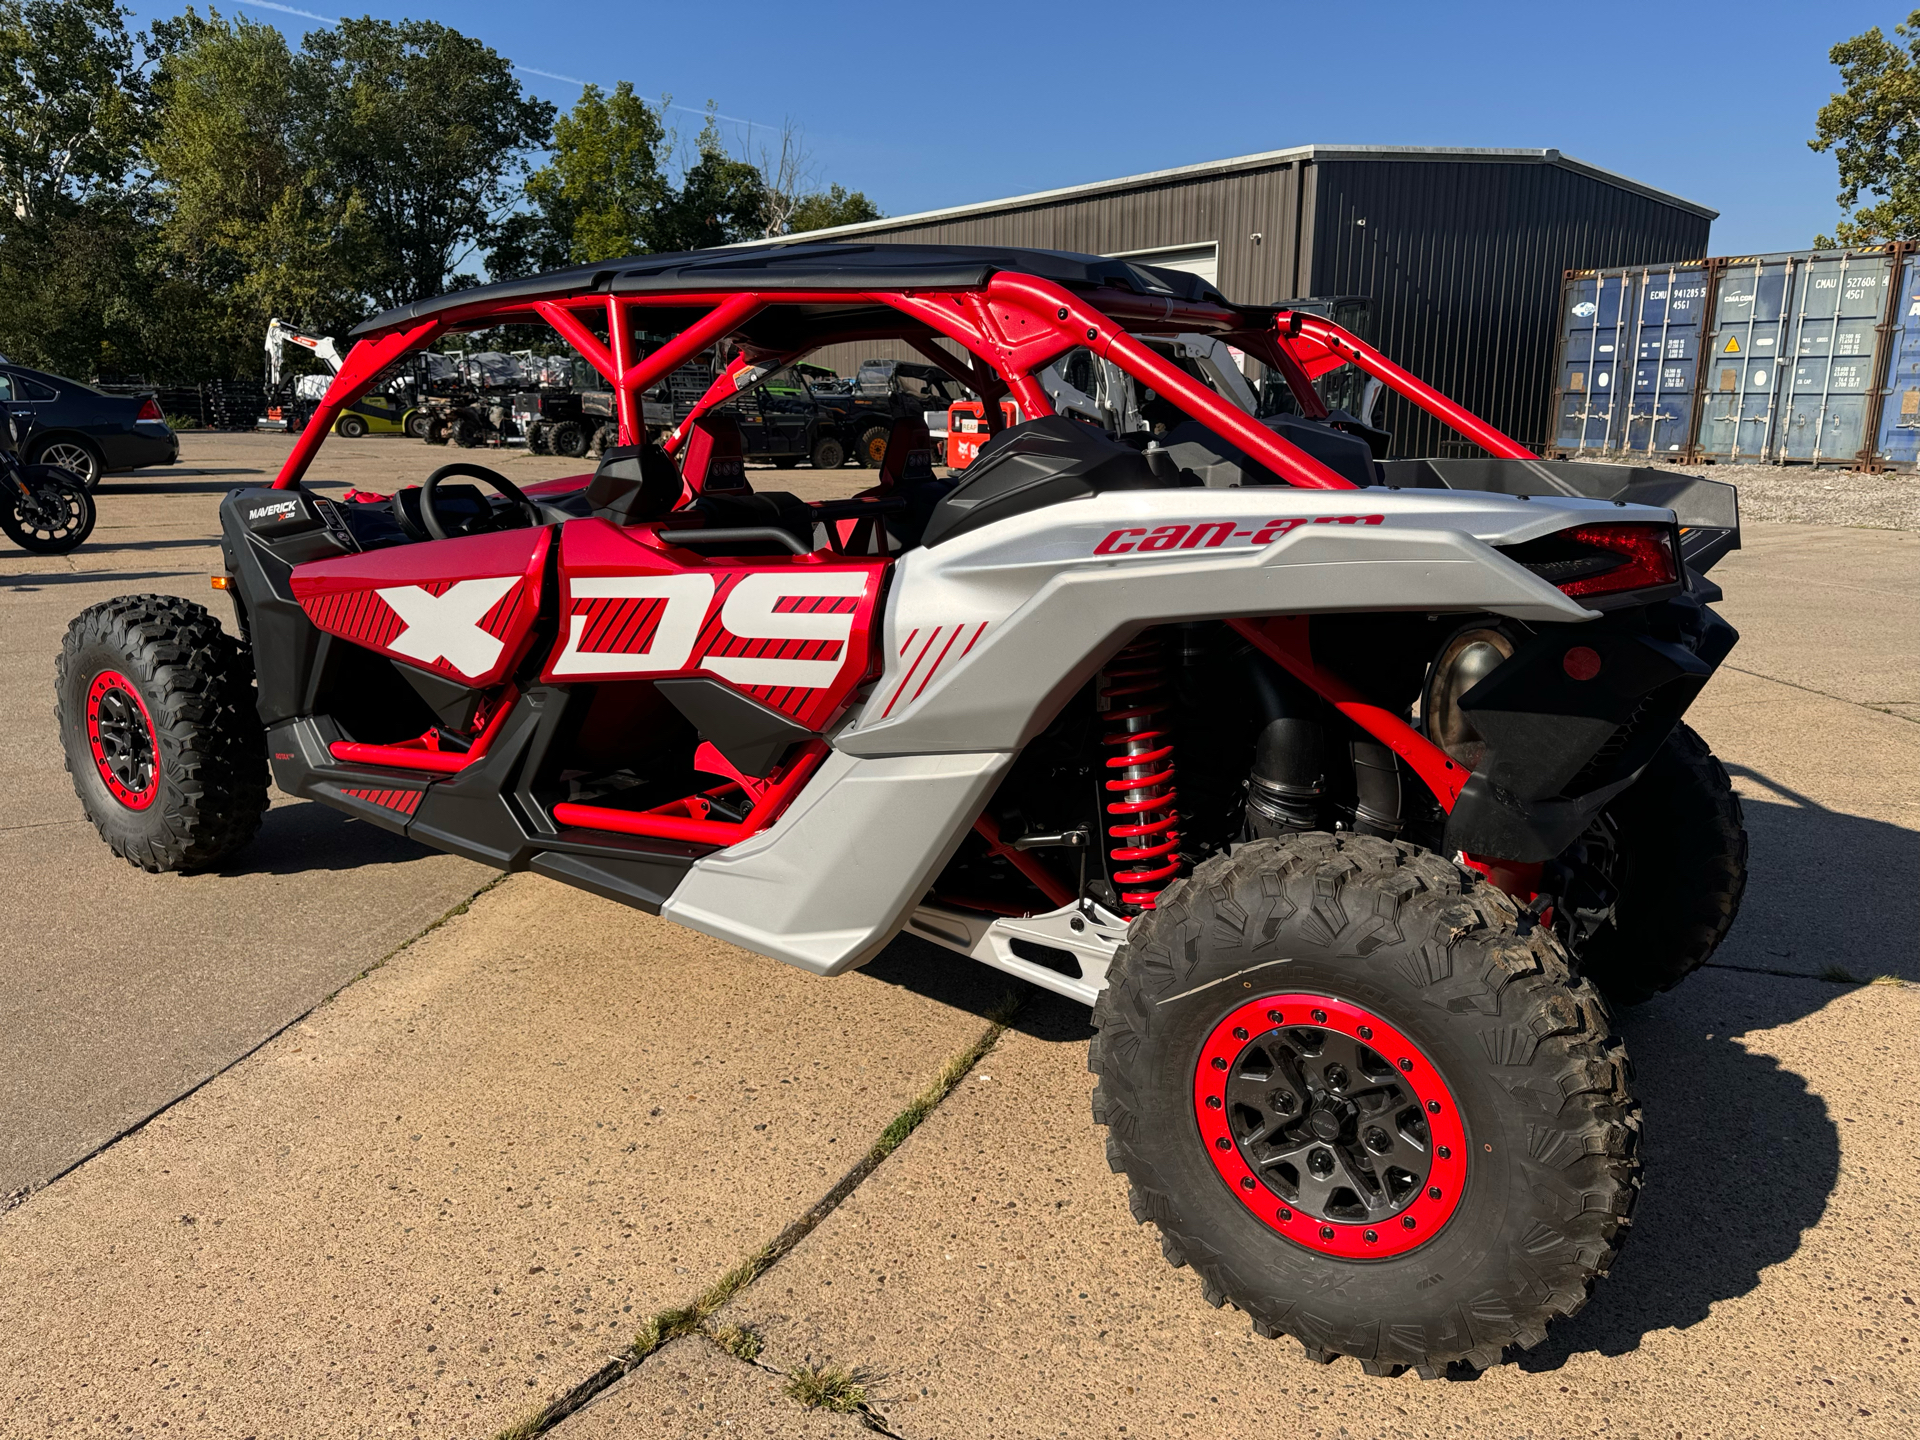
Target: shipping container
(1900,392)
(1757,358)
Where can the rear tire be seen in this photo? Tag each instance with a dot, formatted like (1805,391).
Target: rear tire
(466,432)
(872,451)
(1679,868)
(1507,1181)
(569,438)
(154,703)
(350,427)
(75,456)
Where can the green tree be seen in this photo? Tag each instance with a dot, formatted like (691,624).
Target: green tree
(720,199)
(73,102)
(597,197)
(427,130)
(246,213)
(833,206)
(1873,128)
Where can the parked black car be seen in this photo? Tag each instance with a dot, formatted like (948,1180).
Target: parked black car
(81,430)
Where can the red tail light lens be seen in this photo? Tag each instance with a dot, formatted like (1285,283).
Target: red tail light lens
(1602,559)
(149,410)
(1646,558)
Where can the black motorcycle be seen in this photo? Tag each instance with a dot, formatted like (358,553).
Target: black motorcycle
(43,509)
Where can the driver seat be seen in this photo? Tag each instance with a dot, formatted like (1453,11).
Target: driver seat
(716,459)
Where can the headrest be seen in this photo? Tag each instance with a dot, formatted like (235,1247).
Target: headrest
(716,456)
(634,483)
(909,458)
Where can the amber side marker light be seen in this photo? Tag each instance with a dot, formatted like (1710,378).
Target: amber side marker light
(221,582)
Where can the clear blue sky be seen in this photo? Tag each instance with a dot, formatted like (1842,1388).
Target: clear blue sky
(925,105)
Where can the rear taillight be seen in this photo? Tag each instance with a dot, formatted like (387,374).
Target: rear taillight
(150,410)
(1591,560)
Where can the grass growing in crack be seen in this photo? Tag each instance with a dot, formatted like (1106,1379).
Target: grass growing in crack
(737,1340)
(826,1388)
(837,1389)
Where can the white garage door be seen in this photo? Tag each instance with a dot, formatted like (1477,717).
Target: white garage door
(1201,260)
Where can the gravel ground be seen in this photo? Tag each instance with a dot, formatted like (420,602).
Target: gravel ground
(1798,494)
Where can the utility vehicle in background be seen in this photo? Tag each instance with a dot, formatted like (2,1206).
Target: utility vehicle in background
(1346,791)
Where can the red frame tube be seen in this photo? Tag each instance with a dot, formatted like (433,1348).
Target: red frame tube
(1283,639)
(1344,342)
(1048,883)
(654,825)
(366,360)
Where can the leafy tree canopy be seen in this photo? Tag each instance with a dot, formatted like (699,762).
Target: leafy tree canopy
(1873,128)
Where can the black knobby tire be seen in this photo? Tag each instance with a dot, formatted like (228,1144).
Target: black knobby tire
(569,438)
(157,674)
(436,432)
(605,438)
(56,515)
(828,453)
(466,432)
(537,439)
(872,450)
(1679,844)
(1523,1050)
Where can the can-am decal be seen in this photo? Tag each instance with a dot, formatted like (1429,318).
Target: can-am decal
(1210,534)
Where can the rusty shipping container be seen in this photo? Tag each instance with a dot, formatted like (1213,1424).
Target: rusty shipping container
(1785,358)
(1461,252)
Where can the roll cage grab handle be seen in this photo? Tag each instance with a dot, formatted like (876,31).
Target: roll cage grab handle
(1010,330)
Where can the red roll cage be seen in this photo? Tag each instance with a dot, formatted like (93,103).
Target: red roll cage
(1009,329)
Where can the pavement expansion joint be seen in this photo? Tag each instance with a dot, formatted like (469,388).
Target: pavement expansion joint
(1879,707)
(837,1390)
(27,1192)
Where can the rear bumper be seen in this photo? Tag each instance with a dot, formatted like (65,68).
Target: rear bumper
(144,445)
(1558,749)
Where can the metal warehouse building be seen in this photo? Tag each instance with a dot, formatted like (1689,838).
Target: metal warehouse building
(1461,252)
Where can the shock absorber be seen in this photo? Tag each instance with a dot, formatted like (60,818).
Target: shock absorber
(1138,792)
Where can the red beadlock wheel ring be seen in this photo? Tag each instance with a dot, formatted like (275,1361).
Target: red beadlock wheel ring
(1230,1061)
(120,736)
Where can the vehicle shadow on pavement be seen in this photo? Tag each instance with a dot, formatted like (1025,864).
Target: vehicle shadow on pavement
(1826,891)
(182,487)
(197,542)
(34,580)
(950,979)
(1740,1156)
(306,836)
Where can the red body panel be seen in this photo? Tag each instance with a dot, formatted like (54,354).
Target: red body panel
(794,633)
(463,608)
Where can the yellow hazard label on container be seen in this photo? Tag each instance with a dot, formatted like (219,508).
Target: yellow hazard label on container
(1733,346)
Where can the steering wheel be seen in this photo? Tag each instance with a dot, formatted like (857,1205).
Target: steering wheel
(430,517)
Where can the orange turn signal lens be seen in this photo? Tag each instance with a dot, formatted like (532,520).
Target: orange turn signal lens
(222,582)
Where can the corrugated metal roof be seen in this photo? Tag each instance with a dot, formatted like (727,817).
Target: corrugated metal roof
(1254,162)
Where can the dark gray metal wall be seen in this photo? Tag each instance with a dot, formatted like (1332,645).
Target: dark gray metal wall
(1462,258)
(1464,263)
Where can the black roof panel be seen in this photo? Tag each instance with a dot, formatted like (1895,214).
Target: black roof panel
(821,265)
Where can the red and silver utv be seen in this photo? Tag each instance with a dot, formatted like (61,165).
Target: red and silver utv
(1342,788)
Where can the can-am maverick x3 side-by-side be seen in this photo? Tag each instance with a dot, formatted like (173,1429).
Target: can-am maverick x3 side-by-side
(1341,789)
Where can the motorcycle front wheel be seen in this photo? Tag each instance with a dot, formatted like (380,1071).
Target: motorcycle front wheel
(47,512)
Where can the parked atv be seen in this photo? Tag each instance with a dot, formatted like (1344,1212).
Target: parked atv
(1342,791)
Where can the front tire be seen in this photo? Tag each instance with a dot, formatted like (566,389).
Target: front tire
(1427,1157)
(828,453)
(154,703)
(350,427)
(54,517)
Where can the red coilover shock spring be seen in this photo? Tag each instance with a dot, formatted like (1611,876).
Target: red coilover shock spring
(1139,785)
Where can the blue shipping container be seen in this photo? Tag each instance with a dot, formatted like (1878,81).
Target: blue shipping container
(1670,304)
(1900,415)
(1596,328)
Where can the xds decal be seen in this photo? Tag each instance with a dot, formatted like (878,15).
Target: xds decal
(759,607)
(1211,534)
(447,626)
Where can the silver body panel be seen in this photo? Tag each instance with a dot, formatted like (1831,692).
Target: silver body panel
(987,634)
